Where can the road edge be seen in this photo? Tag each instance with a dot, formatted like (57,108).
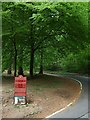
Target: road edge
(69,103)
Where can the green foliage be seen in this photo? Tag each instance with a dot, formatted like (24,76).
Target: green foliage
(59,29)
(77,62)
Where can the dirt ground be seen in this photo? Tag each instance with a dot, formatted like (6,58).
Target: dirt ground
(45,95)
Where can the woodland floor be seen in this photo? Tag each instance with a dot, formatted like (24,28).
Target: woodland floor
(45,95)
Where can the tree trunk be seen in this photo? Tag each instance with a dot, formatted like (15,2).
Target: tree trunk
(9,71)
(20,71)
(31,62)
(31,48)
(14,44)
(15,63)
(21,57)
(41,69)
(41,62)
(15,57)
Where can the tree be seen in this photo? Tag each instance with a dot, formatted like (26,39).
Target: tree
(37,30)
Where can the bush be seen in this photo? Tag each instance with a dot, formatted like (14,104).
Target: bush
(77,62)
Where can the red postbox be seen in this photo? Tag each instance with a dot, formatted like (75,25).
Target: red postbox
(20,89)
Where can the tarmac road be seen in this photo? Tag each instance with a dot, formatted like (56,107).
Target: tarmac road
(80,109)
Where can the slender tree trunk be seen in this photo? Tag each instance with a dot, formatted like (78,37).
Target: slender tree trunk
(41,62)
(9,71)
(15,63)
(14,44)
(21,58)
(31,62)
(15,57)
(31,47)
(20,71)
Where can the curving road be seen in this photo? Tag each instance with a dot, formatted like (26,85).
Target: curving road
(81,108)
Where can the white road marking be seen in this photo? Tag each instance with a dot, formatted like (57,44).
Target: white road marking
(69,103)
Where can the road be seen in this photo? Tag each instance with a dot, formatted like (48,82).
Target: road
(81,108)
